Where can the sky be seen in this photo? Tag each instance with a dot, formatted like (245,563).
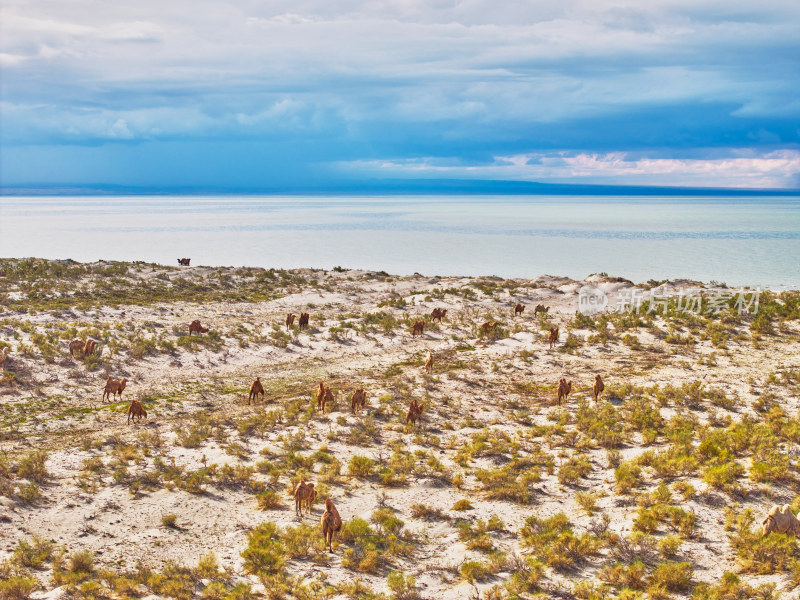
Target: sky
(288,95)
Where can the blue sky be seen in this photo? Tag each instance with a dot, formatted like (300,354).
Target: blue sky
(265,95)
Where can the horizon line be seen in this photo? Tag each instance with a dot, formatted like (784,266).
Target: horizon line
(389,188)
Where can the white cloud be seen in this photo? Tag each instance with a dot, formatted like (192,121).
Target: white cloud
(777,169)
(433,77)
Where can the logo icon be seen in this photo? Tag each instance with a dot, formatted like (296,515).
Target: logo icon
(591,300)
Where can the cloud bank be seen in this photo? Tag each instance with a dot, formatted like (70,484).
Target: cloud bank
(668,92)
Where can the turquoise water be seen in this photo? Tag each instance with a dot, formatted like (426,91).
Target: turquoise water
(739,240)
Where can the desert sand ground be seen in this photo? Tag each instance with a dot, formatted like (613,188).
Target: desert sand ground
(655,491)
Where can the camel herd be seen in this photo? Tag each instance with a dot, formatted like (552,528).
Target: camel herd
(302,322)
(565,389)
(779,519)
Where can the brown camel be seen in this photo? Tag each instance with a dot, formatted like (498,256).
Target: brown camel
(4,352)
(553,337)
(136,411)
(358,400)
(328,398)
(76,347)
(195,327)
(184,261)
(564,390)
(418,328)
(304,495)
(289,321)
(598,388)
(429,362)
(541,308)
(320,396)
(414,413)
(438,314)
(114,387)
(255,389)
(518,309)
(303,322)
(781,520)
(489,326)
(89,347)
(331,522)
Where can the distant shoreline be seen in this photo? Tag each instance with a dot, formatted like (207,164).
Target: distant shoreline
(392,188)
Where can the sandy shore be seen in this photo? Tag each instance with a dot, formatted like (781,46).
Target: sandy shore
(695,427)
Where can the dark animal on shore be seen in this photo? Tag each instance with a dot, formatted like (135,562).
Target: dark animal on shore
(564,390)
(136,411)
(598,387)
(184,261)
(331,523)
(418,328)
(289,321)
(255,389)
(358,400)
(195,327)
(304,495)
(518,309)
(303,320)
(414,413)
(553,337)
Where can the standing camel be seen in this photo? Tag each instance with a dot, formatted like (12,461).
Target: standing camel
(598,388)
(331,522)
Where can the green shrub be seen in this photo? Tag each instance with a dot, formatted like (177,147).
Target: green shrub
(32,467)
(269,500)
(18,587)
(553,542)
(361,466)
(34,554)
(732,588)
(402,586)
(628,475)
(462,504)
(265,554)
(473,570)
(170,520)
(672,576)
(574,470)
(723,476)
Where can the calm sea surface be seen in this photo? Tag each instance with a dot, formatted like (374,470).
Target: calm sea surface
(741,241)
